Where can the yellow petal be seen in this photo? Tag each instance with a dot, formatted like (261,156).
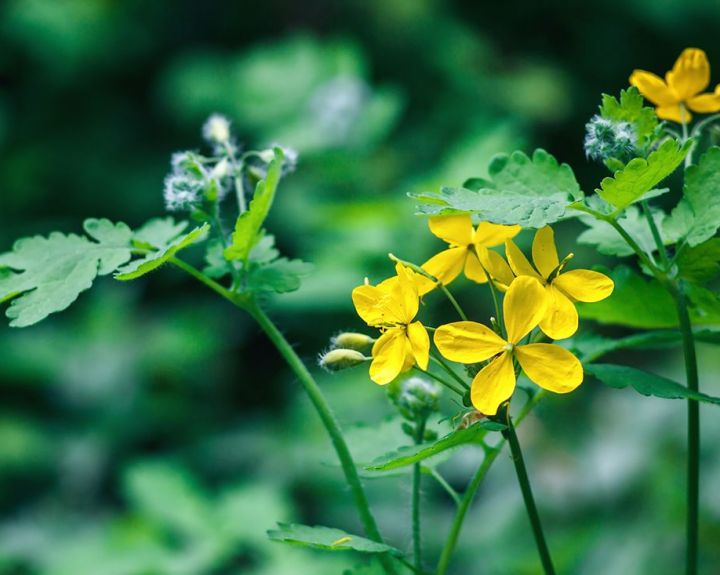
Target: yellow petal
(405,293)
(518,262)
(493,385)
(366,300)
(456,230)
(690,74)
(491,235)
(524,306)
(419,343)
(467,341)
(585,285)
(653,88)
(388,353)
(473,269)
(498,268)
(544,252)
(550,366)
(674,113)
(561,318)
(704,103)
(423,284)
(446,265)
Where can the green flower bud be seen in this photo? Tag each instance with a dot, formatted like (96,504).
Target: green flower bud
(337,359)
(416,398)
(351,340)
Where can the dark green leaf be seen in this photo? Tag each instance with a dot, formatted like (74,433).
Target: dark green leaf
(641,175)
(53,271)
(701,263)
(407,455)
(608,241)
(630,108)
(327,538)
(281,275)
(621,376)
(529,192)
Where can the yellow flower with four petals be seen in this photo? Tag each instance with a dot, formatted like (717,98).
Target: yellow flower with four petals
(681,89)
(550,366)
(468,249)
(562,288)
(392,306)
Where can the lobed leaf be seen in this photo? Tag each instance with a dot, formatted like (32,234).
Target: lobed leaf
(49,273)
(641,175)
(608,241)
(158,232)
(249,223)
(701,263)
(327,538)
(531,192)
(645,383)
(281,275)
(631,108)
(410,454)
(696,218)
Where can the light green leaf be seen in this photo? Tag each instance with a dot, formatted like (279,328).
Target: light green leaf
(50,273)
(630,108)
(645,383)
(158,232)
(281,275)
(697,217)
(410,454)
(249,223)
(327,538)
(154,260)
(641,175)
(701,263)
(529,192)
(608,241)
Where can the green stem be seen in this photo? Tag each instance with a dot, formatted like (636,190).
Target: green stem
(441,381)
(417,478)
(496,303)
(528,498)
(491,455)
(688,156)
(693,462)
(656,235)
(635,247)
(439,359)
(316,397)
(445,485)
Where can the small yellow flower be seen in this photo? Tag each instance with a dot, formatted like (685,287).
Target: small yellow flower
(469,249)
(391,306)
(563,289)
(680,91)
(550,366)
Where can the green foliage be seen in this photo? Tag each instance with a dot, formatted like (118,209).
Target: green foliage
(697,217)
(641,175)
(280,275)
(631,108)
(327,538)
(608,241)
(249,224)
(162,254)
(645,383)
(49,273)
(701,263)
(531,192)
(158,233)
(407,455)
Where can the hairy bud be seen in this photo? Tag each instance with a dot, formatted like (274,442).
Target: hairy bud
(605,139)
(351,340)
(216,130)
(416,398)
(338,359)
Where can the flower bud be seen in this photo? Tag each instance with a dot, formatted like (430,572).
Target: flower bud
(351,340)
(337,359)
(605,139)
(416,398)
(216,129)
(182,192)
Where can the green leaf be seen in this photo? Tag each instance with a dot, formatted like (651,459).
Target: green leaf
(158,232)
(608,241)
(327,538)
(281,275)
(410,454)
(154,260)
(701,263)
(50,273)
(529,192)
(249,223)
(641,175)
(630,108)
(645,383)
(697,217)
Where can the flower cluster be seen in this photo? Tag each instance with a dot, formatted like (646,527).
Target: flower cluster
(538,302)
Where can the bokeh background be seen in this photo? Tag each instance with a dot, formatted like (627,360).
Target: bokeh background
(152,430)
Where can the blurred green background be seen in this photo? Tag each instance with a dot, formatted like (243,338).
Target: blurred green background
(152,430)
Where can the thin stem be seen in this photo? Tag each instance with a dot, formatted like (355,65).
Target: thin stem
(454,495)
(468,496)
(656,235)
(693,462)
(441,381)
(635,247)
(688,156)
(417,478)
(496,303)
(209,282)
(528,498)
(439,359)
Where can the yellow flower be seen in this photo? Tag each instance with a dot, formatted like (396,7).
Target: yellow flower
(469,249)
(550,366)
(563,289)
(681,88)
(391,306)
